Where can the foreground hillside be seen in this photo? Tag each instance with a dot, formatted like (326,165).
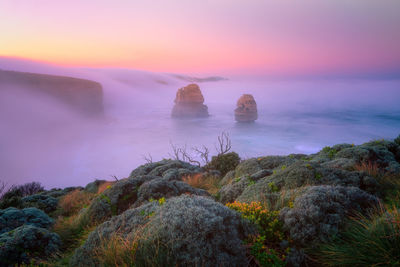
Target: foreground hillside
(84,96)
(338,207)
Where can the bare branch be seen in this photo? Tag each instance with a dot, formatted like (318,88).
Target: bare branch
(148,158)
(115,177)
(204,154)
(176,151)
(224,144)
(2,188)
(189,158)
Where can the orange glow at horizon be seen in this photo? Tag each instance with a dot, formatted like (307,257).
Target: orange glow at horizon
(222,36)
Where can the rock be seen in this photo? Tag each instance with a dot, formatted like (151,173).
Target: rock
(26,244)
(167,233)
(189,103)
(246,110)
(319,214)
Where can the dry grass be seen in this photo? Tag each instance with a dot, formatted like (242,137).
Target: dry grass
(371,168)
(74,201)
(104,186)
(208,183)
(116,251)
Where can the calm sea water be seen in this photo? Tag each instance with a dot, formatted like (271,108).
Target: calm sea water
(294,117)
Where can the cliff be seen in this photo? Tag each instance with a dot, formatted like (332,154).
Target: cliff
(84,96)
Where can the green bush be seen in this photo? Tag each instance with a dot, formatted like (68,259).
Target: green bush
(224,163)
(397,140)
(329,151)
(13,196)
(264,247)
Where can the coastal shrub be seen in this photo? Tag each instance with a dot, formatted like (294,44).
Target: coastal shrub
(41,201)
(279,200)
(161,168)
(397,140)
(329,152)
(233,189)
(27,243)
(12,197)
(12,218)
(248,167)
(265,247)
(268,222)
(116,199)
(210,183)
(319,213)
(159,188)
(169,236)
(229,193)
(183,231)
(372,240)
(224,163)
(27,189)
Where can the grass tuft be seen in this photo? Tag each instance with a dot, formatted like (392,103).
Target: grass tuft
(371,168)
(74,201)
(372,240)
(208,183)
(104,186)
(116,251)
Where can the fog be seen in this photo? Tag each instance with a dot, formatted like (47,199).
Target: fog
(43,140)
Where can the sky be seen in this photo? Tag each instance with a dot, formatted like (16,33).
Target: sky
(263,37)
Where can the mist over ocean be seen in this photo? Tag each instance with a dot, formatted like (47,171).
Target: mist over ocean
(59,149)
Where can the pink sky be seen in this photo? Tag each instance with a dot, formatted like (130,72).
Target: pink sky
(272,37)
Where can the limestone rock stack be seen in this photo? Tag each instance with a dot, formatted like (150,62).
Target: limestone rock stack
(246,110)
(189,103)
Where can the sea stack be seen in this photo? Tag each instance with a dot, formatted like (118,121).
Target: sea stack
(246,110)
(189,103)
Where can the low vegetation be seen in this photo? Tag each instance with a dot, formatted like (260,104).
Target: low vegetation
(338,207)
(264,247)
(208,182)
(370,240)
